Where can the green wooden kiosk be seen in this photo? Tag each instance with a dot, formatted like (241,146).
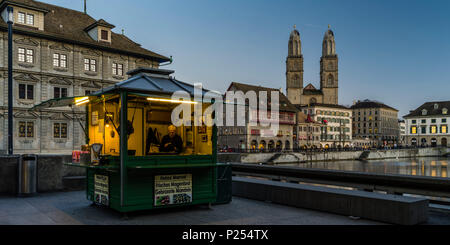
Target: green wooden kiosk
(132,172)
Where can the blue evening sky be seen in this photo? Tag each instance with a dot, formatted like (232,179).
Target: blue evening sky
(396,52)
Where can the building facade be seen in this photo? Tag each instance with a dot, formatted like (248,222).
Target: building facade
(428,125)
(402,132)
(329,82)
(254,136)
(307,133)
(59,52)
(376,122)
(336,129)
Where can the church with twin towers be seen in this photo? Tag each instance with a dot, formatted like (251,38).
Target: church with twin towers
(329,82)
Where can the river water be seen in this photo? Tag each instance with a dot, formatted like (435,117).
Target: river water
(427,166)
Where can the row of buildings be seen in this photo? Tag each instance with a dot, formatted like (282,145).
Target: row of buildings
(311,117)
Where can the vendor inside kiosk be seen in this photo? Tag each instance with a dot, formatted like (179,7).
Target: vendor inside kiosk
(137,158)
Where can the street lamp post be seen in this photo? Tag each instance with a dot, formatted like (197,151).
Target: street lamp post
(10,11)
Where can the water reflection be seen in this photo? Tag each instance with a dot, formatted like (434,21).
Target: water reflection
(435,167)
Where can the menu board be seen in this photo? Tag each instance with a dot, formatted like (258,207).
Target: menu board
(173,189)
(101,190)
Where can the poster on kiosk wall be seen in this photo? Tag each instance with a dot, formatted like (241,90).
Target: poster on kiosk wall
(173,189)
(101,190)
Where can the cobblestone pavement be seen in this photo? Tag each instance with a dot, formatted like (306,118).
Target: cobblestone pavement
(72,208)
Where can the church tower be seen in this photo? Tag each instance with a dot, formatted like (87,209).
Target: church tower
(294,68)
(329,82)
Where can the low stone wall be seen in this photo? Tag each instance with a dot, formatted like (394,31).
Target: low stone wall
(8,173)
(331,156)
(50,170)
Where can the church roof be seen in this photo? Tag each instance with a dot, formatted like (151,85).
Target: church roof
(371,104)
(311,90)
(285,104)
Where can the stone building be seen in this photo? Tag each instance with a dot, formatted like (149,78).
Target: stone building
(428,124)
(307,133)
(259,137)
(402,132)
(329,82)
(377,122)
(336,129)
(59,52)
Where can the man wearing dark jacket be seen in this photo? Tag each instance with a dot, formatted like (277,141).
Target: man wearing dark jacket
(171,142)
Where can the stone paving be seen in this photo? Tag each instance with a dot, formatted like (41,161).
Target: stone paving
(72,208)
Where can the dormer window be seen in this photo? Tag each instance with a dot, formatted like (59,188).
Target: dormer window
(444,111)
(424,112)
(436,106)
(100,31)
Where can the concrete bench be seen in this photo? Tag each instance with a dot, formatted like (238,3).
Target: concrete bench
(368,205)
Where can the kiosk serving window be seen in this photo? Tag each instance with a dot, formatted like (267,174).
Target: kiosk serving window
(149,128)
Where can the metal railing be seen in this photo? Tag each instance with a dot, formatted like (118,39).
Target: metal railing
(390,183)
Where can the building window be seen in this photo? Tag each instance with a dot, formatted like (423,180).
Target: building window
(433,129)
(26,129)
(30,19)
(444,120)
(117,69)
(60,60)
(26,91)
(59,92)
(60,130)
(424,120)
(413,130)
(87,92)
(414,121)
(26,55)
(424,130)
(21,18)
(443,129)
(433,120)
(104,35)
(90,65)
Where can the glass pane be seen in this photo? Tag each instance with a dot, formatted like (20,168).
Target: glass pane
(56,133)
(22,127)
(22,88)
(30,92)
(30,19)
(63,130)
(21,18)
(30,129)
(56,93)
(63,92)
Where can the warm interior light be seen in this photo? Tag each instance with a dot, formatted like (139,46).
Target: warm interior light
(81,101)
(172,101)
(107,125)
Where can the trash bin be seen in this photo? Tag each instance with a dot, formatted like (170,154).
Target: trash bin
(27,175)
